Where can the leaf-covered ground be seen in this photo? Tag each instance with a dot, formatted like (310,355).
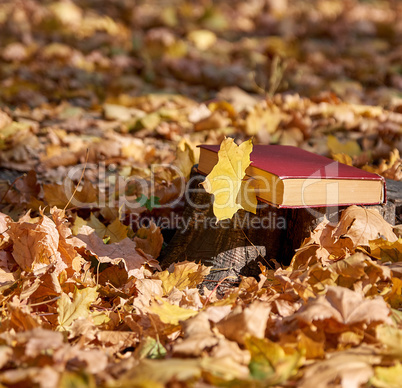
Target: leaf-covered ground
(127,90)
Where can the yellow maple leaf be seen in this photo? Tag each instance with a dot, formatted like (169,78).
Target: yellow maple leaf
(116,230)
(69,310)
(225,180)
(169,313)
(184,274)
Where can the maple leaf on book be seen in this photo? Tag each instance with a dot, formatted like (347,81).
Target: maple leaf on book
(225,180)
(287,176)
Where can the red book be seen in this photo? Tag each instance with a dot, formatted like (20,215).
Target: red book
(288,176)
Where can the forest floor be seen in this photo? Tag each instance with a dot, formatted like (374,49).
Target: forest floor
(102,105)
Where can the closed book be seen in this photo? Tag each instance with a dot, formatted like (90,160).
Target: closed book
(287,176)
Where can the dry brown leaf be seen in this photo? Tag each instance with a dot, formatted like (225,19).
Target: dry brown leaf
(20,316)
(197,336)
(35,244)
(361,225)
(124,250)
(343,307)
(150,240)
(4,236)
(351,367)
(148,289)
(66,243)
(215,121)
(44,377)
(117,341)
(250,321)
(6,276)
(40,340)
(93,360)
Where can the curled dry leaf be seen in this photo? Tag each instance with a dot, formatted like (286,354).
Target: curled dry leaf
(4,236)
(361,225)
(124,250)
(351,367)
(250,321)
(35,243)
(150,240)
(343,307)
(197,336)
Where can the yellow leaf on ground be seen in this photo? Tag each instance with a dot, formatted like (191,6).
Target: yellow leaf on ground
(116,230)
(350,148)
(170,314)
(271,362)
(387,377)
(183,275)
(343,158)
(69,310)
(386,250)
(260,118)
(225,179)
(185,157)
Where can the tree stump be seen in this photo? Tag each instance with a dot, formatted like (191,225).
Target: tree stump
(235,247)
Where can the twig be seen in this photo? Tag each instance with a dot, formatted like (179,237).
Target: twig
(215,288)
(82,175)
(259,254)
(44,302)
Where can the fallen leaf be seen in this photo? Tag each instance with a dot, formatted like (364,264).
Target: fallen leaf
(387,377)
(350,148)
(69,310)
(216,120)
(342,307)
(182,275)
(124,250)
(169,313)
(116,231)
(240,323)
(185,157)
(35,244)
(351,367)
(157,373)
(260,118)
(387,251)
(270,362)
(197,336)
(361,225)
(150,240)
